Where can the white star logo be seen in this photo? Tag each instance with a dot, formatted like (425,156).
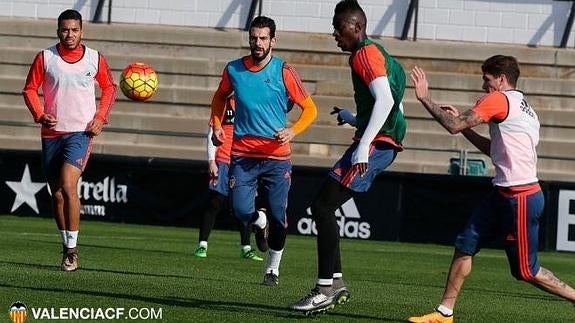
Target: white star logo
(25,191)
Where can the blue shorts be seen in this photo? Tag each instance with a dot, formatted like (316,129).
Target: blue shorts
(73,148)
(220,184)
(513,217)
(381,155)
(274,178)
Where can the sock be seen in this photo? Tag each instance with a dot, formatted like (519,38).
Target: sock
(203,244)
(445,311)
(261,221)
(274,259)
(246,248)
(327,290)
(324,282)
(71,239)
(63,237)
(337,281)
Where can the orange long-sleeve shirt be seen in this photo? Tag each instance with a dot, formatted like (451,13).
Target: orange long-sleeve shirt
(36,76)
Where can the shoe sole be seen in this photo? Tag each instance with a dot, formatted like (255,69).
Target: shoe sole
(270,284)
(69,269)
(319,311)
(342,297)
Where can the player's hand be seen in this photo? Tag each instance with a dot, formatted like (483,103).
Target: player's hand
(359,159)
(285,135)
(336,110)
(420,83)
(343,115)
(95,127)
(450,109)
(361,168)
(47,120)
(218,136)
(213,168)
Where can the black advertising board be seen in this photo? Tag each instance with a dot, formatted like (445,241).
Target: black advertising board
(399,206)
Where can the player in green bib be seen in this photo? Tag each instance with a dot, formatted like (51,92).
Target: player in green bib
(379,83)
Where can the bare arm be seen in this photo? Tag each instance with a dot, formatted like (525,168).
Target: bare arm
(450,119)
(482,143)
(448,116)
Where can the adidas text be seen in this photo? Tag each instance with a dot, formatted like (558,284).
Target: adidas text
(348,223)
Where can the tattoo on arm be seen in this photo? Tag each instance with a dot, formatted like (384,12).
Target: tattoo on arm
(453,124)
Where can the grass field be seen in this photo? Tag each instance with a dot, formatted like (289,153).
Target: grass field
(132,266)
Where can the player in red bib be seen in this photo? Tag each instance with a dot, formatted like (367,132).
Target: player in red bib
(512,210)
(219,166)
(70,119)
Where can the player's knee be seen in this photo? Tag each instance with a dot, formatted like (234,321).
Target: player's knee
(522,275)
(69,190)
(243,209)
(58,196)
(246,218)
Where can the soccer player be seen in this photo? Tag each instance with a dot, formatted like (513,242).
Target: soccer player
(263,85)
(219,163)
(70,119)
(379,83)
(513,208)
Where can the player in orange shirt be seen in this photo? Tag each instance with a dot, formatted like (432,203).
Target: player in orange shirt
(70,119)
(263,85)
(511,211)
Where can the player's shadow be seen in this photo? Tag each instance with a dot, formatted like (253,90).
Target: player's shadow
(224,307)
(244,8)
(397,8)
(119,272)
(519,295)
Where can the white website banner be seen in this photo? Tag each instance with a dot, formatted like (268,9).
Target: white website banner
(565,219)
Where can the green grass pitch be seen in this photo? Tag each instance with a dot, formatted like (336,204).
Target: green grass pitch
(136,266)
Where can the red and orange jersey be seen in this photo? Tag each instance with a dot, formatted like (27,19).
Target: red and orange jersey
(37,76)
(492,107)
(369,63)
(254,144)
(223,152)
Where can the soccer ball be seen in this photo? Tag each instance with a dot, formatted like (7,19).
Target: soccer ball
(139,81)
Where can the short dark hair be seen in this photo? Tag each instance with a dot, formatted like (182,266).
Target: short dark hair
(350,7)
(263,22)
(502,65)
(69,14)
